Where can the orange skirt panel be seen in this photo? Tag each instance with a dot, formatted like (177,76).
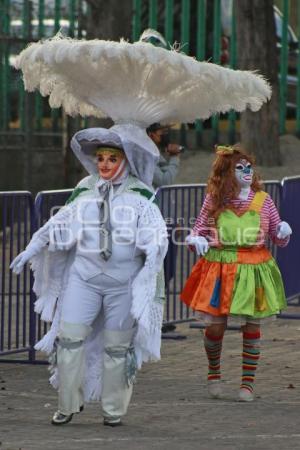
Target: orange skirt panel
(200,285)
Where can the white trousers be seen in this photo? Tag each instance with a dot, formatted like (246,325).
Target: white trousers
(83,301)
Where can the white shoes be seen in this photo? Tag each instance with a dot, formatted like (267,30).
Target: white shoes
(112,422)
(214,388)
(245,395)
(61,419)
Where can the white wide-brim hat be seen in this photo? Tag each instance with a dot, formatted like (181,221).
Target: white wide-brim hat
(141,153)
(135,85)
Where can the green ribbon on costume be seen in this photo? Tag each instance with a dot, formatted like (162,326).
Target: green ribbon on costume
(75,194)
(145,193)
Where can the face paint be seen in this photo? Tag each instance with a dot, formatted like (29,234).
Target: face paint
(108,163)
(244,173)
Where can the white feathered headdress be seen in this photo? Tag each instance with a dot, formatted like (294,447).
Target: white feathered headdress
(135,83)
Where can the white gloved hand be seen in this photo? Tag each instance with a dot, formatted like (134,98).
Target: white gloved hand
(283,230)
(20,260)
(199,242)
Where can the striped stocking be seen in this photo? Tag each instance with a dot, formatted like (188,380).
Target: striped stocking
(213,348)
(251,352)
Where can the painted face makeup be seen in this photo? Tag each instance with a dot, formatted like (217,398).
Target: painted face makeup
(108,164)
(244,173)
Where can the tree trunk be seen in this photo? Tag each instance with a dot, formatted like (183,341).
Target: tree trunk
(109,19)
(256,40)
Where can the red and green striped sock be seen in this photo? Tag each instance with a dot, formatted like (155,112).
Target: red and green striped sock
(213,348)
(251,353)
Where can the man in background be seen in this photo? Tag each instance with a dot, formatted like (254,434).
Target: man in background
(166,170)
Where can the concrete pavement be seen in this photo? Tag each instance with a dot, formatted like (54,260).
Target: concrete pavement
(170,409)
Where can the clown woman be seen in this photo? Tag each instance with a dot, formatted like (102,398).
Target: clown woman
(236,276)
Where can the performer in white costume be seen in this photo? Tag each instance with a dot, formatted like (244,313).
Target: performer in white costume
(97,270)
(114,240)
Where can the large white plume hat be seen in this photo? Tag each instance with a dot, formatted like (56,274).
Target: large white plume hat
(135,85)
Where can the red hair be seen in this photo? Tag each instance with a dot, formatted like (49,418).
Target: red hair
(222,185)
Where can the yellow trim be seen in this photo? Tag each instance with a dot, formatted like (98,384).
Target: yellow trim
(109,150)
(258,201)
(260,299)
(224,150)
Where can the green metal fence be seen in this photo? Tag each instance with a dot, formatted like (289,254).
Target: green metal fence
(205,29)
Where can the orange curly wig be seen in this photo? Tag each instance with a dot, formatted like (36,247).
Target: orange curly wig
(222,184)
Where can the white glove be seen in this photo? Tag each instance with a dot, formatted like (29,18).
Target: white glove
(20,260)
(199,242)
(283,230)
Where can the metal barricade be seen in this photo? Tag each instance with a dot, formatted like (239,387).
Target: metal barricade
(16,307)
(289,258)
(180,206)
(49,202)
(273,188)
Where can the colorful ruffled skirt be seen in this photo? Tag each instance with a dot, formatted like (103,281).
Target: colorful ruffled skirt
(235,281)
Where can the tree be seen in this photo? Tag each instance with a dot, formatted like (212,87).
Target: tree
(109,20)
(256,41)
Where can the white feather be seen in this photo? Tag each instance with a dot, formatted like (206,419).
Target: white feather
(136,82)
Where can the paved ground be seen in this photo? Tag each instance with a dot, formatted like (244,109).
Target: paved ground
(170,408)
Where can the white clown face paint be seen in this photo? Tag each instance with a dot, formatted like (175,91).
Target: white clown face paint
(244,173)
